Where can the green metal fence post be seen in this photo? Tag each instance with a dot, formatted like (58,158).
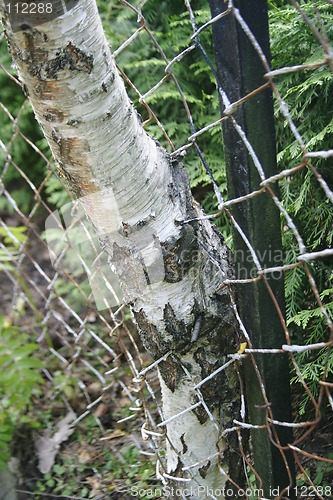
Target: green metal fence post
(240,71)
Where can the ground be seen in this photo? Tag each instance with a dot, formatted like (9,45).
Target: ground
(103,458)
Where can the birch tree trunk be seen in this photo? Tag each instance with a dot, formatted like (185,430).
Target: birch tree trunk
(99,144)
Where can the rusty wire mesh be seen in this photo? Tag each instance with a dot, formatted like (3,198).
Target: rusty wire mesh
(99,347)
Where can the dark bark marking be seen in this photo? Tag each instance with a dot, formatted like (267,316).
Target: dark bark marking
(74,122)
(72,58)
(204,469)
(179,189)
(178,472)
(180,255)
(173,271)
(31,52)
(25,90)
(56,138)
(185,447)
(108,82)
(150,336)
(54,114)
(179,332)
(171,373)
(201,413)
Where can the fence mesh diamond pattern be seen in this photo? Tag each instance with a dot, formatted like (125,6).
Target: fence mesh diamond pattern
(58,291)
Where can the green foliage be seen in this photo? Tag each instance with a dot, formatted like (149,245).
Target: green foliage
(303,318)
(314,364)
(309,96)
(307,93)
(321,477)
(25,159)
(20,380)
(21,153)
(56,193)
(12,238)
(64,384)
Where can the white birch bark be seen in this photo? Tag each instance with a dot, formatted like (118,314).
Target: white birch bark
(100,147)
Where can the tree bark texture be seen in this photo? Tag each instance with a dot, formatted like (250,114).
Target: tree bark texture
(101,148)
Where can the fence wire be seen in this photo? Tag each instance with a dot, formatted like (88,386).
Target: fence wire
(94,365)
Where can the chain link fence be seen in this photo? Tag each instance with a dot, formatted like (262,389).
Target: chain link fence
(56,286)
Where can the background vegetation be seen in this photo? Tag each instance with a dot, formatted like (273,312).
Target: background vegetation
(309,95)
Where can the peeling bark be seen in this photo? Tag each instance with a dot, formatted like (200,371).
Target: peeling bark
(100,147)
